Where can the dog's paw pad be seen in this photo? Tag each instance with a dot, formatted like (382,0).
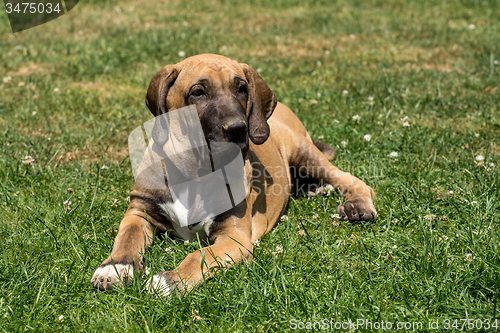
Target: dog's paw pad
(105,277)
(357,210)
(159,285)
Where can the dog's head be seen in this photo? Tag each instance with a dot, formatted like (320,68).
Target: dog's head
(233,102)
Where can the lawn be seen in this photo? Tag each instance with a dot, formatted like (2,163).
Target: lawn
(408,92)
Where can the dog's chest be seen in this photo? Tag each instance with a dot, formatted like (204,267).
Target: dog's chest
(178,214)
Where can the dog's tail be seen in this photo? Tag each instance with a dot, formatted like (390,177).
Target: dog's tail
(327,150)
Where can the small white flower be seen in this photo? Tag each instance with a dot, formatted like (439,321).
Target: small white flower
(336,121)
(352,36)
(367,137)
(186,242)
(114,202)
(327,52)
(370,98)
(405,122)
(343,143)
(56,90)
(223,48)
(329,188)
(345,92)
(228,260)
(182,54)
(284,218)
(195,315)
(335,216)
(61,318)
(315,216)
(476,135)
(356,118)
(492,165)
(444,237)
(257,243)
(33,113)
(67,205)
(394,247)
(450,192)
(469,257)
(318,94)
(259,70)
(127,199)
(479,158)
(279,250)
(321,137)
(495,62)
(7,79)
(104,167)
(472,26)
(28,160)
(393,154)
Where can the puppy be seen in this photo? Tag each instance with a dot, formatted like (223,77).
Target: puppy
(235,107)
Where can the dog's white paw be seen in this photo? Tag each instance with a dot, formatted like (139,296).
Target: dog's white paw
(159,285)
(105,277)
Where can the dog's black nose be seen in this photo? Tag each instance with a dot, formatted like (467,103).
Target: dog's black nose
(235,130)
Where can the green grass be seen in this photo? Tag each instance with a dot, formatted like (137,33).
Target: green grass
(415,58)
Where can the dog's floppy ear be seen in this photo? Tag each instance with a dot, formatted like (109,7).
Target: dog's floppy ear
(156,97)
(262,103)
(156,100)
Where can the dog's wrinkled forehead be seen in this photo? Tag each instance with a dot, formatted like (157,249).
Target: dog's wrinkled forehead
(208,63)
(216,71)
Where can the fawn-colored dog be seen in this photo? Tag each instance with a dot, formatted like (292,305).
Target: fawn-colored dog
(234,105)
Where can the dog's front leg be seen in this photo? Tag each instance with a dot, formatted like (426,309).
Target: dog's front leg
(228,249)
(134,236)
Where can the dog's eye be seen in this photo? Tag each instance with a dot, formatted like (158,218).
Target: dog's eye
(198,92)
(243,90)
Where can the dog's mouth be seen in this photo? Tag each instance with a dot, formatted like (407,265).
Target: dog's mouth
(228,147)
(223,153)
(224,144)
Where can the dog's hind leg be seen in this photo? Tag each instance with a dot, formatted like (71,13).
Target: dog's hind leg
(308,159)
(303,183)
(327,150)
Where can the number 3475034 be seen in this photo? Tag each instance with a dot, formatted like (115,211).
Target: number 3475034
(32,8)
